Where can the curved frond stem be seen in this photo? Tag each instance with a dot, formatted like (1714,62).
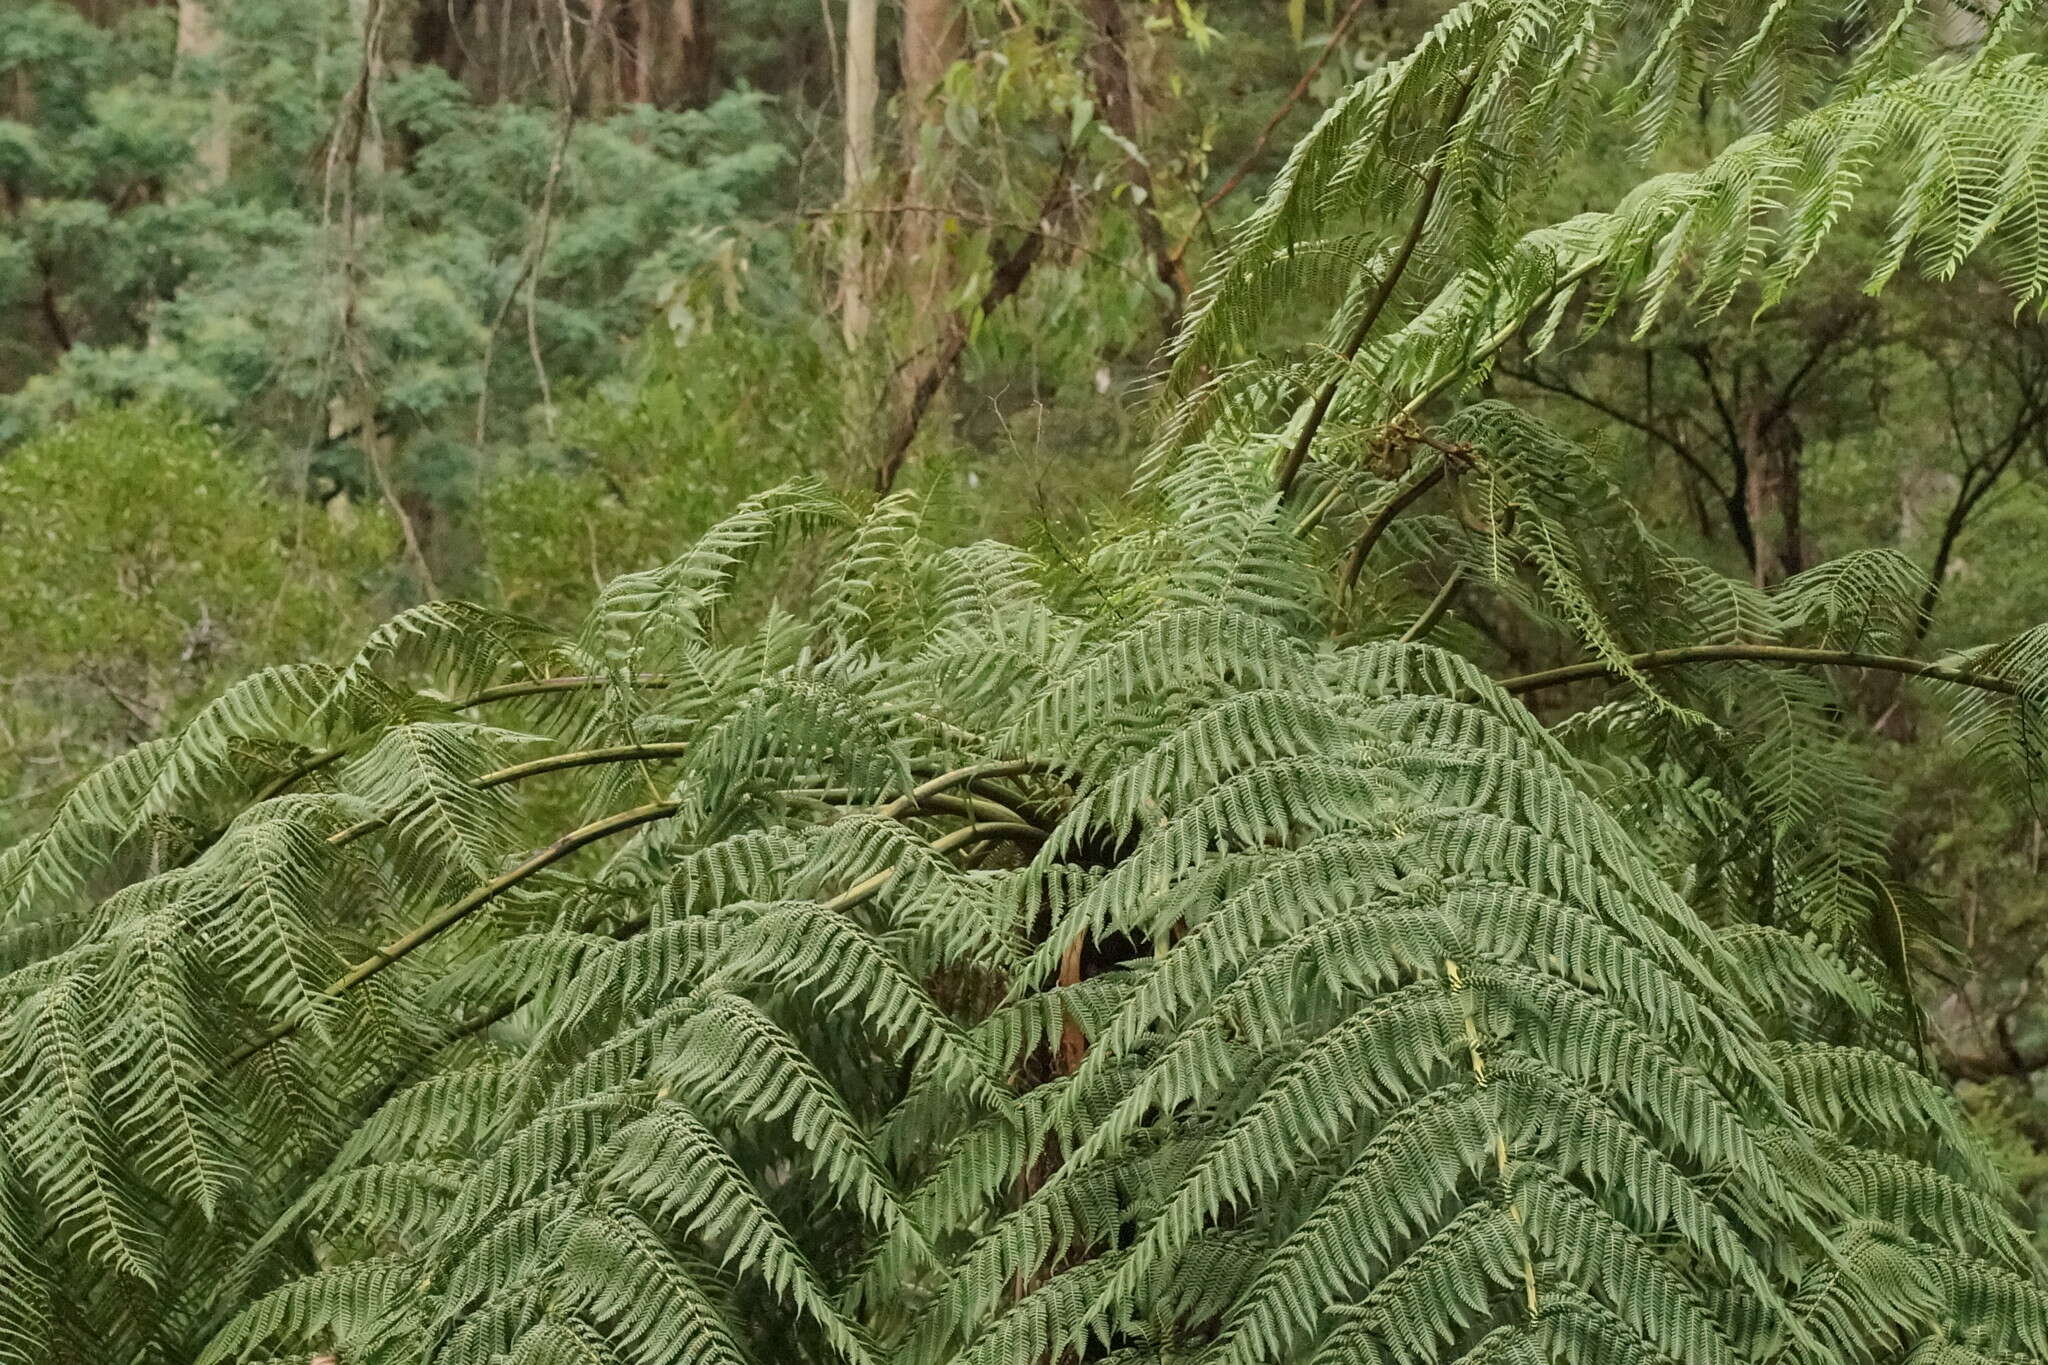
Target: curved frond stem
(1438,605)
(1320,510)
(946,781)
(456,911)
(615,754)
(1487,349)
(973,807)
(1382,296)
(950,842)
(285,781)
(534,687)
(1768,654)
(581,758)
(1014,828)
(597,830)
(552,763)
(503,692)
(1418,483)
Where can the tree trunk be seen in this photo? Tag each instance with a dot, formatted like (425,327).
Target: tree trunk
(21,104)
(199,44)
(1006,278)
(1109,70)
(367,148)
(932,37)
(438,36)
(358,149)
(690,56)
(637,41)
(862,89)
(1772,494)
(1959,26)
(932,41)
(606,82)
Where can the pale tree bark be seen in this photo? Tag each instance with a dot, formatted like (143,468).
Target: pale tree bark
(1006,276)
(1963,23)
(665,51)
(17,102)
(862,90)
(1116,96)
(608,74)
(639,43)
(367,136)
(21,96)
(199,43)
(690,55)
(356,151)
(933,38)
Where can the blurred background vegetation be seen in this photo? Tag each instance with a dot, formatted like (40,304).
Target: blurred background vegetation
(314,309)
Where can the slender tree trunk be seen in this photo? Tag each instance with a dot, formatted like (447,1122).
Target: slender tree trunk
(601,43)
(1005,279)
(1773,499)
(1963,25)
(691,55)
(440,37)
(932,37)
(862,90)
(21,96)
(198,44)
(638,45)
(1109,70)
(1073,1042)
(367,137)
(932,41)
(359,150)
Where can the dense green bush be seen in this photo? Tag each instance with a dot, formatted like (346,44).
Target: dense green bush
(143,563)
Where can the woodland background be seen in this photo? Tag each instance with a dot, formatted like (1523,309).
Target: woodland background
(317,309)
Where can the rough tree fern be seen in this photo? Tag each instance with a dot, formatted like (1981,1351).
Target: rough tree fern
(1154,950)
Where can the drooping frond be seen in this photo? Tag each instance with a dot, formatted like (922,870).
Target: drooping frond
(1954,151)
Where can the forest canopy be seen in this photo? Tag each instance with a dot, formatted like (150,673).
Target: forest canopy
(1023,680)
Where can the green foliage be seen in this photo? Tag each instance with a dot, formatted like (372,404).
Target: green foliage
(1956,138)
(236,300)
(128,529)
(141,563)
(86,167)
(714,409)
(259,322)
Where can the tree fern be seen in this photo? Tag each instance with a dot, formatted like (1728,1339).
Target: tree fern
(1151,951)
